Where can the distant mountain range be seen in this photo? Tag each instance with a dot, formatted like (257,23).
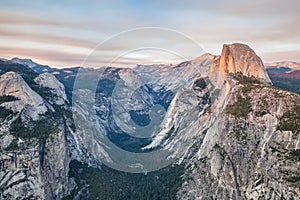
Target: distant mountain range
(289,64)
(284,74)
(216,127)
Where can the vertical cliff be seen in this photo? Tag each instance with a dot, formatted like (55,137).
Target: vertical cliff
(238,58)
(35,135)
(235,135)
(250,149)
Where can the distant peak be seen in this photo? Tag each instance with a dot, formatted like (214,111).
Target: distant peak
(206,55)
(24,61)
(204,58)
(290,64)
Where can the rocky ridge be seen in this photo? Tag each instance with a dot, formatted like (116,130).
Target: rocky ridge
(28,100)
(247,151)
(36,138)
(242,133)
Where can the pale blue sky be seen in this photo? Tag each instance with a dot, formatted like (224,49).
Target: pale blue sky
(63,33)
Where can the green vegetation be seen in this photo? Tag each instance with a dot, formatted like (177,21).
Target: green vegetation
(292,155)
(48,123)
(263,107)
(249,87)
(60,113)
(217,146)
(108,183)
(241,78)
(7,98)
(219,149)
(13,145)
(5,113)
(44,92)
(203,160)
(295,154)
(239,132)
(40,129)
(241,108)
(28,75)
(294,179)
(106,86)
(290,121)
(261,113)
(200,83)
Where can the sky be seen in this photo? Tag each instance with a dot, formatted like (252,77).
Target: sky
(94,33)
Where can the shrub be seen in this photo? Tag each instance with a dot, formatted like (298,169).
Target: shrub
(241,108)
(5,113)
(241,78)
(40,129)
(290,120)
(7,98)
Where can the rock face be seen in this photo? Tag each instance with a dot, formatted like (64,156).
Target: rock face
(38,172)
(247,157)
(28,101)
(36,139)
(224,108)
(135,94)
(49,81)
(238,58)
(236,135)
(174,77)
(250,147)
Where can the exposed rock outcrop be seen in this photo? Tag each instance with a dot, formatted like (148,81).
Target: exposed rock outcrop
(49,81)
(38,172)
(237,58)
(237,136)
(35,151)
(247,150)
(29,102)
